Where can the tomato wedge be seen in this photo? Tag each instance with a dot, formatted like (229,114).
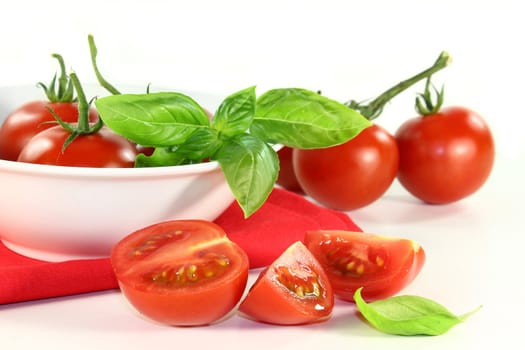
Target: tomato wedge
(381,265)
(294,289)
(181,272)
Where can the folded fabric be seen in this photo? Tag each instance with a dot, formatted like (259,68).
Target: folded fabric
(282,220)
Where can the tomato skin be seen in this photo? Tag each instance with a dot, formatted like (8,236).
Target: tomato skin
(383,266)
(270,300)
(445,156)
(173,247)
(351,175)
(287,178)
(103,149)
(30,119)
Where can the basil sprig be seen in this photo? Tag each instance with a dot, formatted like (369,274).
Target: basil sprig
(408,315)
(240,135)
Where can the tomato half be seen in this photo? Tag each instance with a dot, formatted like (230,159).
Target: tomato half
(30,119)
(294,289)
(445,156)
(382,265)
(103,149)
(181,272)
(351,175)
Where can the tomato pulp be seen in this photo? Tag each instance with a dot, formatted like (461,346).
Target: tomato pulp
(351,175)
(294,289)
(381,265)
(445,156)
(181,272)
(30,119)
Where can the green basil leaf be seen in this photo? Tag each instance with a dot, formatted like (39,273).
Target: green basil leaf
(408,315)
(304,119)
(251,167)
(201,144)
(235,114)
(155,119)
(162,156)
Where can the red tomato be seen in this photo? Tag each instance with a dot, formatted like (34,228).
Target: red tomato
(351,175)
(445,156)
(182,272)
(30,119)
(103,149)
(294,289)
(381,265)
(287,178)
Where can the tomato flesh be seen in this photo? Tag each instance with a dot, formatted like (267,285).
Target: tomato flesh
(30,119)
(446,156)
(294,289)
(103,149)
(351,175)
(181,272)
(383,266)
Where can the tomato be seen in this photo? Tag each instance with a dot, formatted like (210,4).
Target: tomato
(31,118)
(294,289)
(181,272)
(103,149)
(445,156)
(381,265)
(287,178)
(351,175)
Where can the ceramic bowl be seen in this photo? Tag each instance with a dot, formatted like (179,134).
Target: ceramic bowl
(57,213)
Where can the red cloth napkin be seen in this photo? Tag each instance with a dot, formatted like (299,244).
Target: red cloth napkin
(282,220)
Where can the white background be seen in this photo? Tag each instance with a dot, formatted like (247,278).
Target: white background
(349,50)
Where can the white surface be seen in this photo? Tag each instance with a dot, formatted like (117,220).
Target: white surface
(348,49)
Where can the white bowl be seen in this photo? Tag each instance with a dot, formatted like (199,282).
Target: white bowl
(57,213)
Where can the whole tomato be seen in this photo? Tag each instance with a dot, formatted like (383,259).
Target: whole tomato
(81,144)
(102,149)
(287,178)
(445,155)
(34,116)
(351,175)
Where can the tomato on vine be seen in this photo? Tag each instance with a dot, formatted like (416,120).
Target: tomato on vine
(446,154)
(354,174)
(81,144)
(34,116)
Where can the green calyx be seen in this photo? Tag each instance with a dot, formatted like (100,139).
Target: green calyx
(60,90)
(83,127)
(425,103)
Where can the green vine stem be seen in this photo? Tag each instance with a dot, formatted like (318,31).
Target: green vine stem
(105,84)
(64,91)
(374,108)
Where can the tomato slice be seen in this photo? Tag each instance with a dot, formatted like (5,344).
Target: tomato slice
(294,289)
(381,265)
(181,272)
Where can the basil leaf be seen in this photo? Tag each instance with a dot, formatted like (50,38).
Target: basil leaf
(155,119)
(162,156)
(251,167)
(235,114)
(408,315)
(201,144)
(304,119)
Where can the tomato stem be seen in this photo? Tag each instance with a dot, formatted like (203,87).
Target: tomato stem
(105,84)
(374,108)
(64,91)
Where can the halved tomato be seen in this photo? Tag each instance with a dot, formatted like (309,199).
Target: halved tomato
(294,289)
(181,272)
(381,265)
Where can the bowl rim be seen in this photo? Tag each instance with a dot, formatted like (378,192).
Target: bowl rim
(65,171)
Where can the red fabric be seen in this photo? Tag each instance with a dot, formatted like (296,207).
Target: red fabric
(282,220)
